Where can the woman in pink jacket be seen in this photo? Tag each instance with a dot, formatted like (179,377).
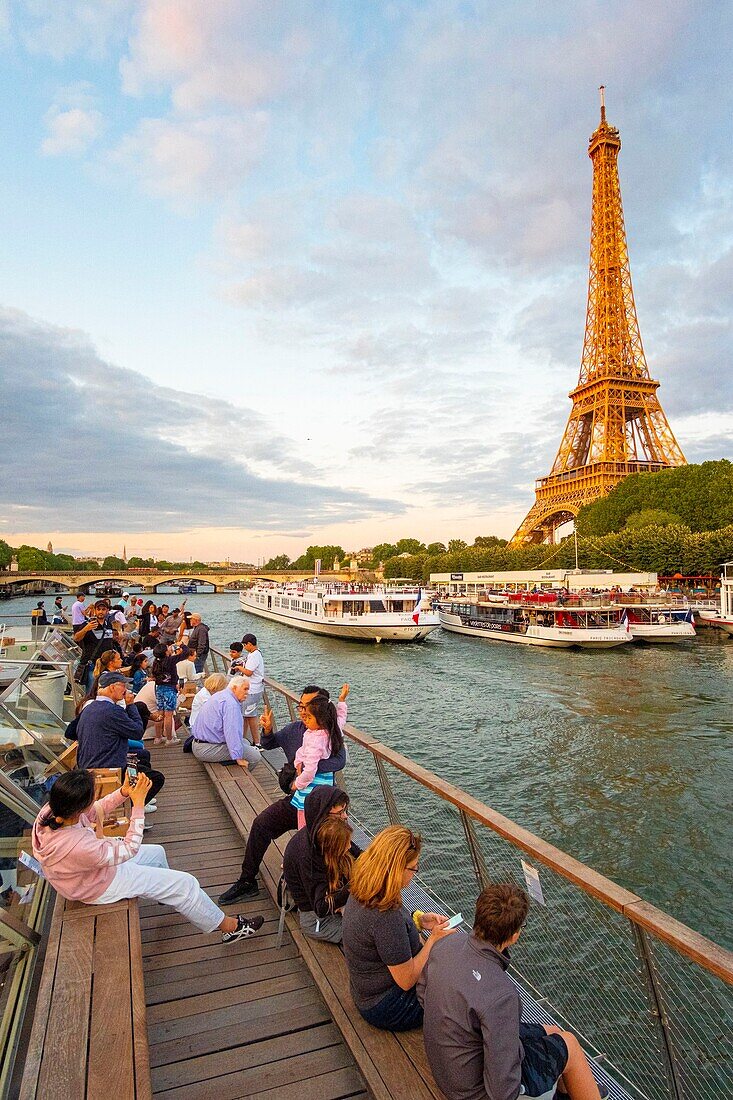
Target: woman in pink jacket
(84,865)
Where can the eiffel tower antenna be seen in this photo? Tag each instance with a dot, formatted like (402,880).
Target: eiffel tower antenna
(616,426)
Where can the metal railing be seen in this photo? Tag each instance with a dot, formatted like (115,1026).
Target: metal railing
(650,999)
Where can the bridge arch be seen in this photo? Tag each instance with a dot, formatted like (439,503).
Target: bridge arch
(167,579)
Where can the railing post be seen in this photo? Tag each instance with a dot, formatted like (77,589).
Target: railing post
(291,709)
(387,792)
(477,856)
(659,1012)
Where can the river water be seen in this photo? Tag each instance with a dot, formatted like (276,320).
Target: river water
(622,758)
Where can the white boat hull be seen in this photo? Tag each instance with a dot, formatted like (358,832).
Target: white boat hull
(548,636)
(662,632)
(393,627)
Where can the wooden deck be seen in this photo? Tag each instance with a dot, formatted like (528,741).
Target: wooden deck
(245,1020)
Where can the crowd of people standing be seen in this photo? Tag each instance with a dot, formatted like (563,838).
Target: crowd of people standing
(143,666)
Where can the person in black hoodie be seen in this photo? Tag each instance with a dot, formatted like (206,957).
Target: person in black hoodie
(317,863)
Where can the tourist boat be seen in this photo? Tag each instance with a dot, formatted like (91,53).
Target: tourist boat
(364,612)
(722,616)
(186,589)
(659,622)
(542,622)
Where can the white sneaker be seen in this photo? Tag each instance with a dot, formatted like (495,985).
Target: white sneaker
(151,807)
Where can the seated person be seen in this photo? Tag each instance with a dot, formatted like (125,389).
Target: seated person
(84,865)
(281,816)
(218,731)
(185,666)
(476,1045)
(382,945)
(107,725)
(217,681)
(317,864)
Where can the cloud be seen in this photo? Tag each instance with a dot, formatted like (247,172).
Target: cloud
(71,131)
(60,30)
(95,447)
(193,159)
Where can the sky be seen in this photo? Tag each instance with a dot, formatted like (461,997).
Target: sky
(297,272)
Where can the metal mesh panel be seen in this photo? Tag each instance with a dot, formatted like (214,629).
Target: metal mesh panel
(699,1009)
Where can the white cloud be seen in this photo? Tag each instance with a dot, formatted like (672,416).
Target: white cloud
(71,131)
(193,158)
(61,28)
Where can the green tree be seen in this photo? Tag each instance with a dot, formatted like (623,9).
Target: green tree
(651,517)
(280,561)
(455,545)
(6,554)
(327,554)
(32,559)
(113,562)
(701,495)
(383,551)
(409,546)
(140,563)
(487,542)
(435,548)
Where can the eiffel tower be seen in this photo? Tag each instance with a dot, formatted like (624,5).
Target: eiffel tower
(616,426)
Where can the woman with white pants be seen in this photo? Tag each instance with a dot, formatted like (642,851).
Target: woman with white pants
(84,865)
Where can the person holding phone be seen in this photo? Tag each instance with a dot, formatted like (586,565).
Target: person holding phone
(84,865)
(381,940)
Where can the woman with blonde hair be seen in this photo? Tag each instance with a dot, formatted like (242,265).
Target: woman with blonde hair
(382,945)
(216,682)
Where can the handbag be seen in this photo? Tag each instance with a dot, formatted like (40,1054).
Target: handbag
(286,778)
(80,672)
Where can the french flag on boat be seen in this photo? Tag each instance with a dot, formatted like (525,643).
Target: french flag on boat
(416,613)
(625,622)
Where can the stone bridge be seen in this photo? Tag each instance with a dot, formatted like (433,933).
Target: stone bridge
(150,580)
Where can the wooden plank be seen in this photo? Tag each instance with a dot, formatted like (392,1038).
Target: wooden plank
(167,1011)
(44,1002)
(272,1073)
(63,1066)
(263,1019)
(111,1019)
(220,980)
(329,1086)
(175,969)
(246,1057)
(141,1053)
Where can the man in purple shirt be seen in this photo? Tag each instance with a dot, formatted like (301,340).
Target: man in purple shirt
(218,728)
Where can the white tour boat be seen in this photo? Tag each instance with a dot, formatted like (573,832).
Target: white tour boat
(722,616)
(362,612)
(539,623)
(659,622)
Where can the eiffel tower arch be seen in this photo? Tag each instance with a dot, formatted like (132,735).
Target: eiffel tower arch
(616,426)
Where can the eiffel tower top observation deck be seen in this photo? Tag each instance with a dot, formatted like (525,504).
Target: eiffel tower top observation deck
(616,426)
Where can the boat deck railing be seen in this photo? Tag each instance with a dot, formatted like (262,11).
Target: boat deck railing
(650,999)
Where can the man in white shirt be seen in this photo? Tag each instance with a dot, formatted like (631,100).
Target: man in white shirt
(254,669)
(78,618)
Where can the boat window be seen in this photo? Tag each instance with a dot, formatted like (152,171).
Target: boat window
(397,605)
(376,605)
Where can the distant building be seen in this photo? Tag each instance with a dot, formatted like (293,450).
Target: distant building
(49,548)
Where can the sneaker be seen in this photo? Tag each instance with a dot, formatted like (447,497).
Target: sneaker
(242,888)
(173,741)
(158,741)
(151,806)
(246,927)
(147,828)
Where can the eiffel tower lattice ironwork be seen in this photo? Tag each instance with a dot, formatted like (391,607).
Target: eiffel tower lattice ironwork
(617,426)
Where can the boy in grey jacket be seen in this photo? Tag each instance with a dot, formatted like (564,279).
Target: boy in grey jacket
(476,1046)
